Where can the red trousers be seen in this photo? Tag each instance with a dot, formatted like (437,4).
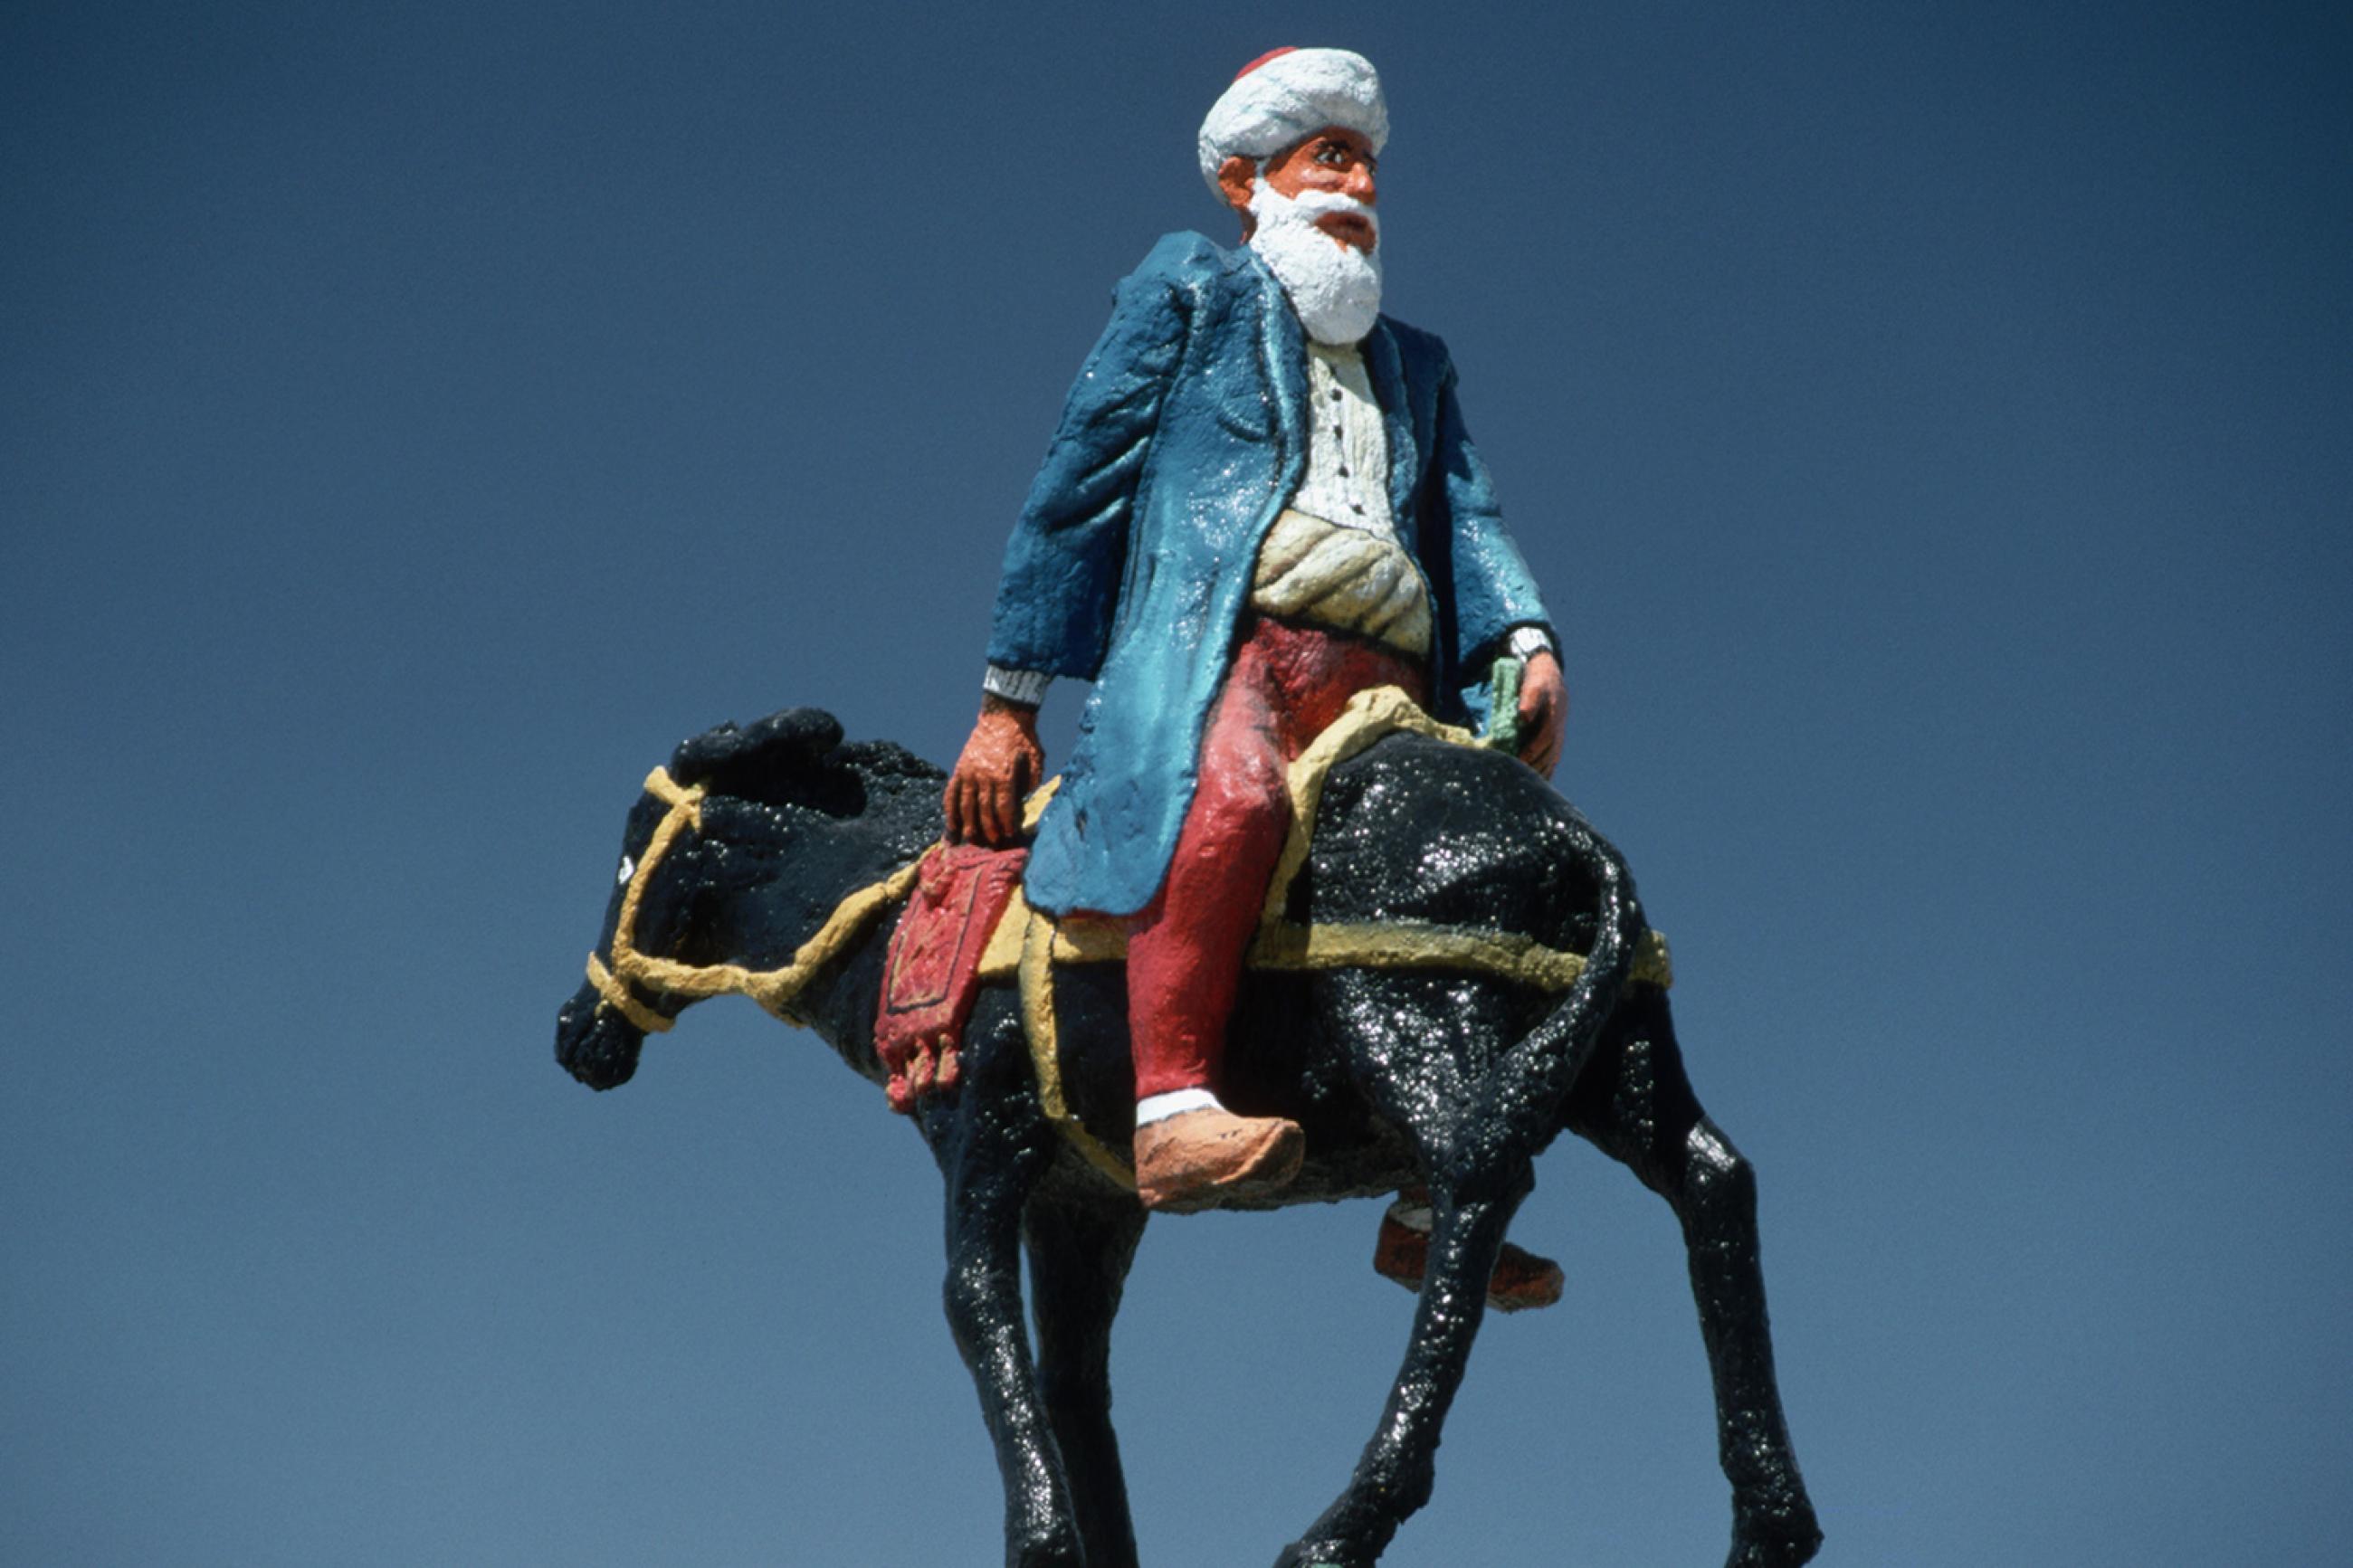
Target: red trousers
(1184,949)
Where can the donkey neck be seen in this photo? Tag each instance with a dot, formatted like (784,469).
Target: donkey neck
(773,874)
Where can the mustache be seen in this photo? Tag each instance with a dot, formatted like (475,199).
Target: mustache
(1313,205)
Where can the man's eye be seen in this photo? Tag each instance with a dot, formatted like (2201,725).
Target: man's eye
(1331,153)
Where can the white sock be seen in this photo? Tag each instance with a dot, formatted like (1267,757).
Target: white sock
(1154,1107)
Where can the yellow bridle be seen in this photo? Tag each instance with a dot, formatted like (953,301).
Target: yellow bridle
(774,989)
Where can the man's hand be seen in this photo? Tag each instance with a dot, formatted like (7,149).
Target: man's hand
(1544,711)
(1001,764)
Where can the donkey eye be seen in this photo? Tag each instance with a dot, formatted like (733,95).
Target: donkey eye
(628,869)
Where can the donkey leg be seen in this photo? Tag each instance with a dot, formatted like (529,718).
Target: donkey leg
(1396,1472)
(1079,1257)
(1636,1105)
(1773,1519)
(991,1144)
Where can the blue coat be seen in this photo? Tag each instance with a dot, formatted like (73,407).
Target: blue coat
(1131,563)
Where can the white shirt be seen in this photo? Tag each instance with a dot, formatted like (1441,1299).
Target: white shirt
(1348,477)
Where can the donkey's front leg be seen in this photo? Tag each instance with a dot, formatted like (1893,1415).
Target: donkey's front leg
(991,1143)
(1393,1477)
(1079,1250)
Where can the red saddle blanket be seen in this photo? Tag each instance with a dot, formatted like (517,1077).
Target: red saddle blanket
(930,975)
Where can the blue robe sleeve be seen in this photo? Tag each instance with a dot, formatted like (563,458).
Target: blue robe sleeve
(1493,592)
(1056,601)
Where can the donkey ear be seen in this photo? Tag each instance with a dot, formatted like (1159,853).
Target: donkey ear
(793,735)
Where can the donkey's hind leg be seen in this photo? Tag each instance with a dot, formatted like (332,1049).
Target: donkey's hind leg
(991,1143)
(1080,1249)
(1396,1472)
(1636,1104)
(1418,1032)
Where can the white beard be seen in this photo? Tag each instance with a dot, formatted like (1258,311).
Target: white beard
(1334,287)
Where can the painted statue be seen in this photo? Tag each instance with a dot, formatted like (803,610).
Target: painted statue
(1300,921)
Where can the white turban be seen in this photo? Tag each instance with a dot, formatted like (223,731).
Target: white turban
(1287,96)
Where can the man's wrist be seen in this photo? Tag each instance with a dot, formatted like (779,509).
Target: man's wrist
(1021,713)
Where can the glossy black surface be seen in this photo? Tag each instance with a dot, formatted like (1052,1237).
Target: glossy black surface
(1458,1080)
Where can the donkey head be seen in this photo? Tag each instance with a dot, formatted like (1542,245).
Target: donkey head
(732,858)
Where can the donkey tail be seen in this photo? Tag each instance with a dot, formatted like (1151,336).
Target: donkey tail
(1525,1092)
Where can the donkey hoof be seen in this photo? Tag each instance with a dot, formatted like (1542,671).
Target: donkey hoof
(1775,1538)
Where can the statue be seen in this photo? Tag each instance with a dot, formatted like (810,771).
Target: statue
(1277,875)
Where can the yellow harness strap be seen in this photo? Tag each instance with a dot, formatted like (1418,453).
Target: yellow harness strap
(1025,946)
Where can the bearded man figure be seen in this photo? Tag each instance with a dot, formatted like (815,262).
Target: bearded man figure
(1260,500)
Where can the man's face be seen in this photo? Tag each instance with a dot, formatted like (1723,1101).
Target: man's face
(1308,214)
(1337,159)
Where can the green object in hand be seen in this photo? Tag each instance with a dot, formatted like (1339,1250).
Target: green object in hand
(1504,706)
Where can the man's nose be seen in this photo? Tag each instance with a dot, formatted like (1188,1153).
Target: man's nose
(1359,184)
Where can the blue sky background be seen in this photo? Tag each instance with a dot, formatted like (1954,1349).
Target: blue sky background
(1930,423)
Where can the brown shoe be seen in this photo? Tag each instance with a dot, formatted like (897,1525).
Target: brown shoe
(1521,1279)
(1198,1159)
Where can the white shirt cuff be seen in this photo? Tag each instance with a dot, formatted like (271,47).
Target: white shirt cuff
(1027,687)
(1528,641)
